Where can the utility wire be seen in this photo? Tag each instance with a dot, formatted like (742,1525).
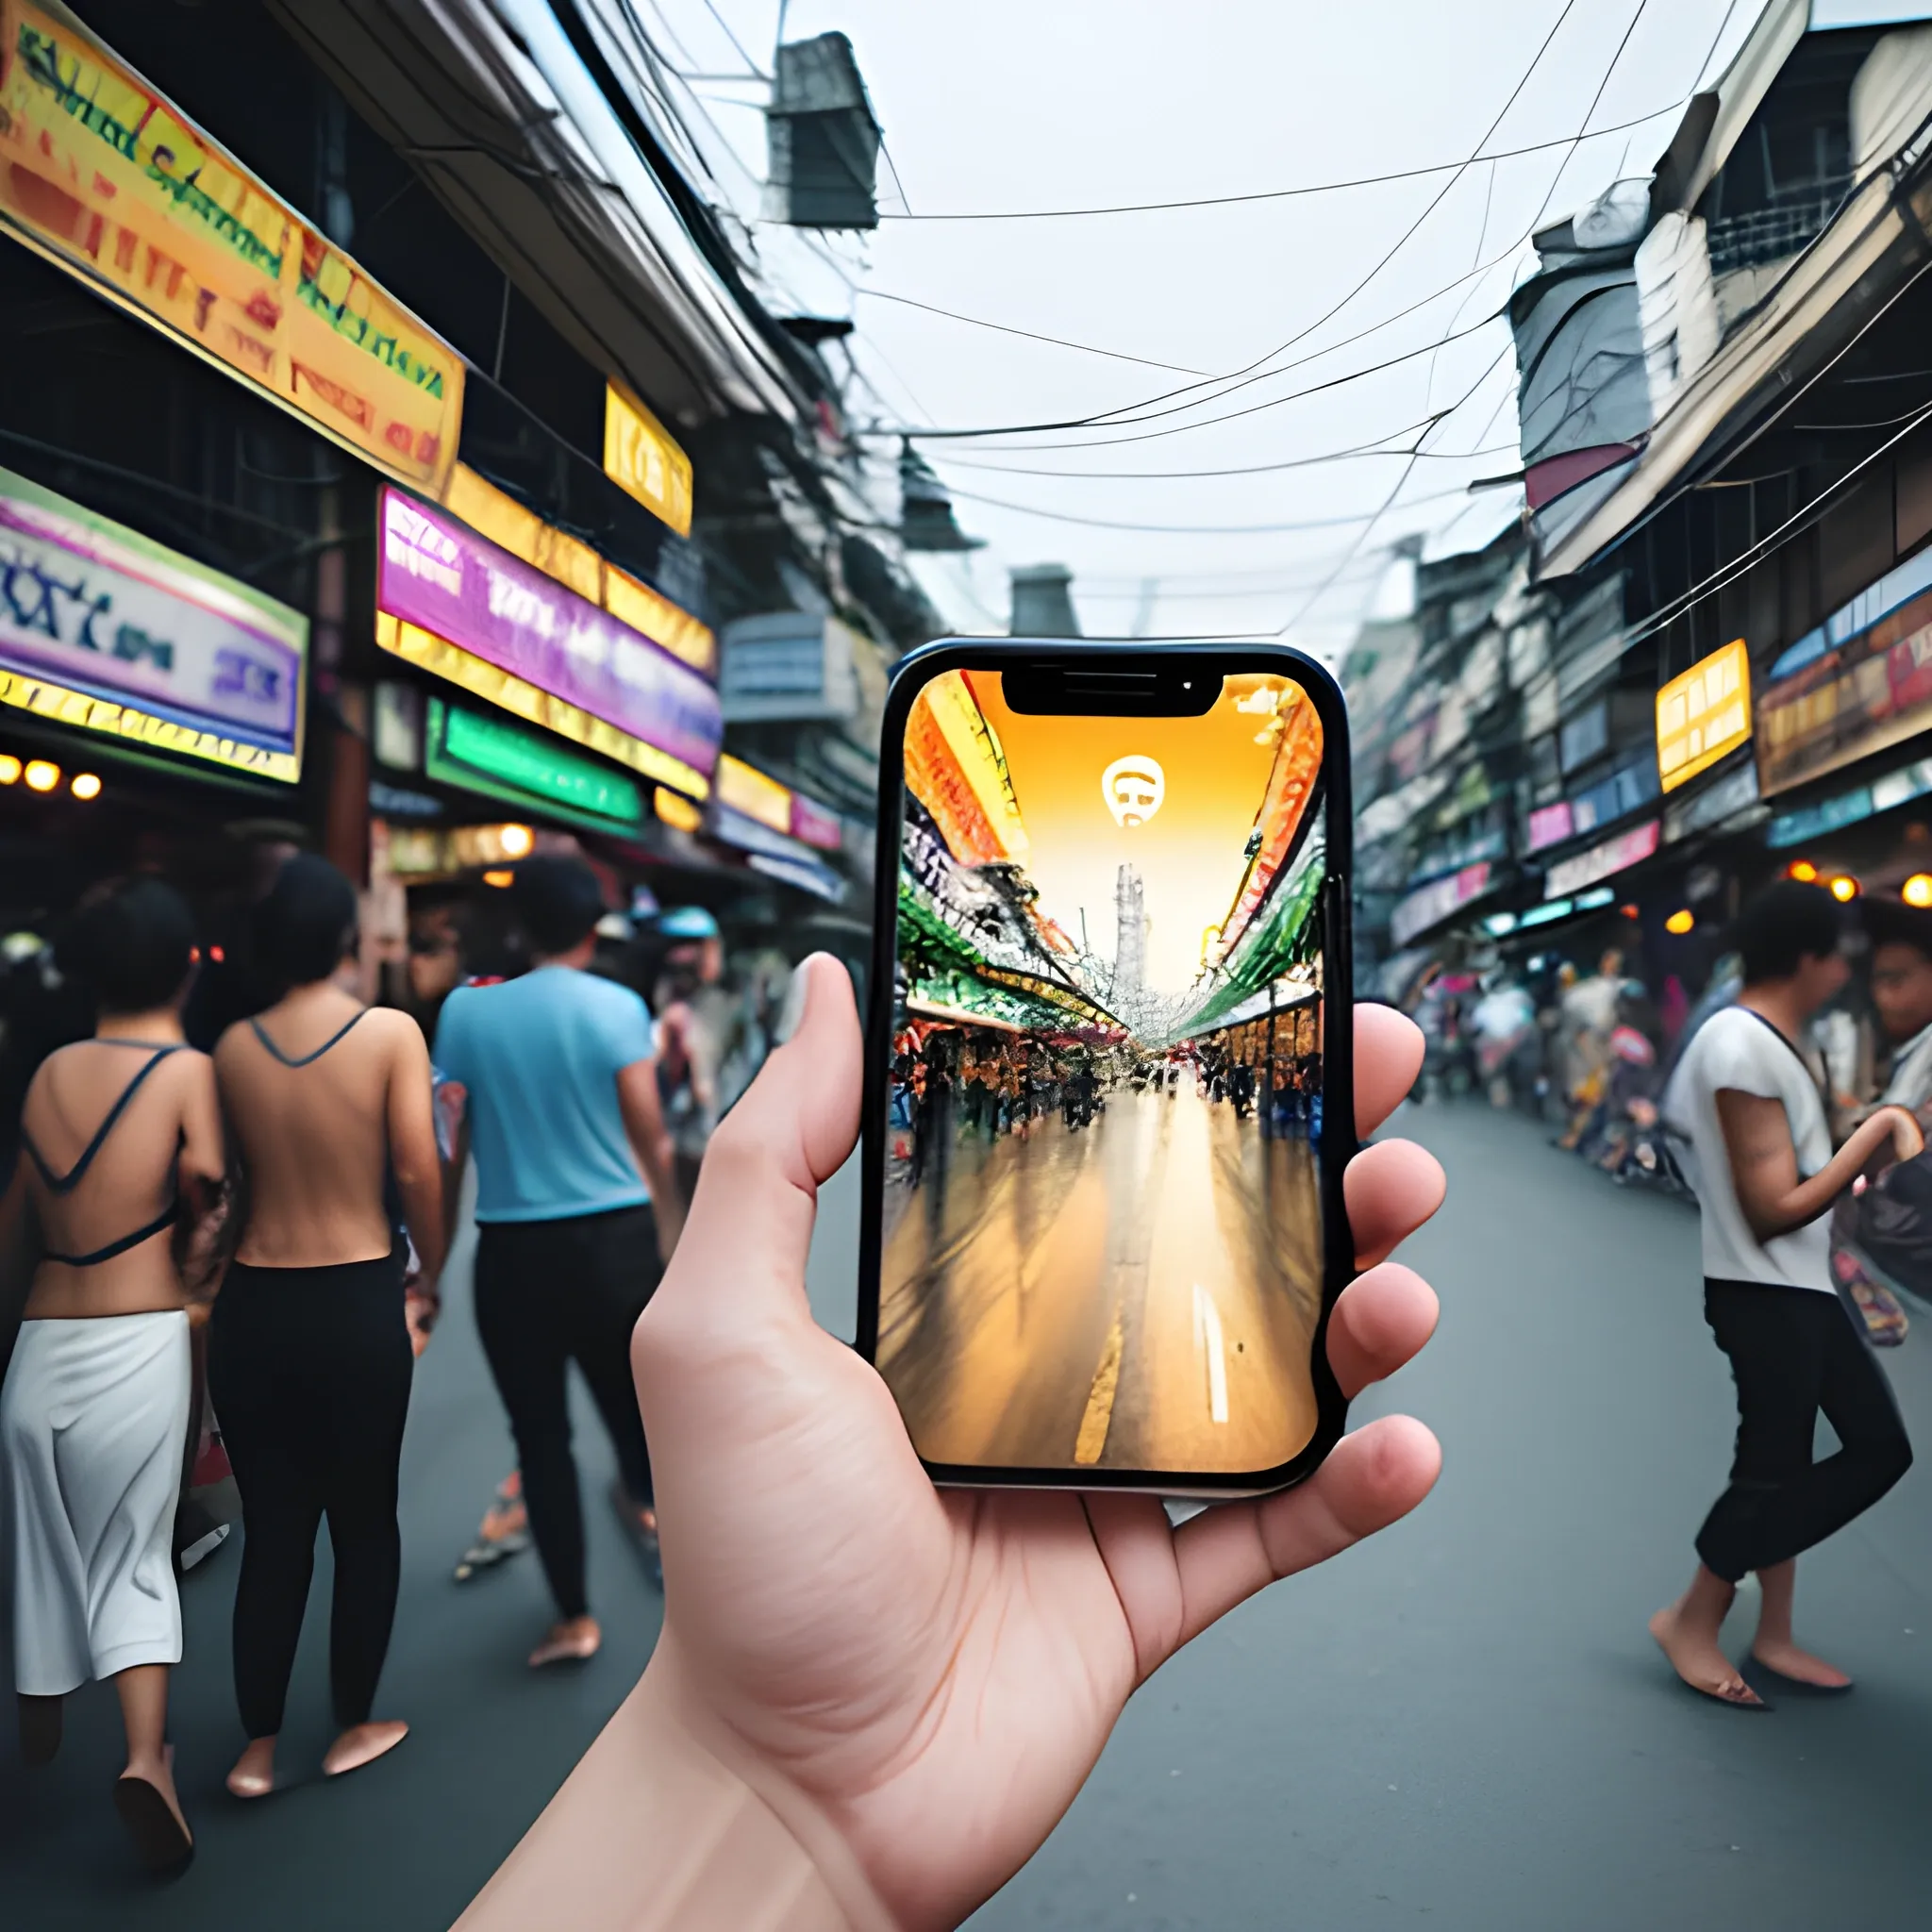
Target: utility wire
(1032,336)
(1388,504)
(1201,529)
(1257,370)
(1727,574)
(1335,455)
(1299,362)
(756,72)
(1140,207)
(1294,395)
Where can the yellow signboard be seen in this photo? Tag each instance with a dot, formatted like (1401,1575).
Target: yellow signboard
(495,513)
(642,456)
(105,178)
(746,788)
(141,729)
(1704,714)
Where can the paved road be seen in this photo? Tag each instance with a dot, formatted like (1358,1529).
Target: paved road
(1137,1293)
(1462,1726)
(402,1846)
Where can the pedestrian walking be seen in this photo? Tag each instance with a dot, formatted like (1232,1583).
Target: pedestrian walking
(310,1354)
(1748,1108)
(124,1127)
(689,1048)
(558,1074)
(1884,1236)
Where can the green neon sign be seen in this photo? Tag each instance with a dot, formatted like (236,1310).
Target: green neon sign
(502,760)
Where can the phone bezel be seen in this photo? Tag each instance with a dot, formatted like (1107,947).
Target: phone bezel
(1339,1142)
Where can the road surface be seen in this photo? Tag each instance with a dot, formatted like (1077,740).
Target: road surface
(1462,1726)
(1136,1293)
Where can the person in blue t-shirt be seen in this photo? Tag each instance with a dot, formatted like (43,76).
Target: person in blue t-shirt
(559,1080)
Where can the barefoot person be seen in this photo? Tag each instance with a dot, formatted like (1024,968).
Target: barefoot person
(1749,1107)
(560,1078)
(121,1146)
(310,1359)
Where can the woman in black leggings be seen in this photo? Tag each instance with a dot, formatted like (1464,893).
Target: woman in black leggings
(310,1353)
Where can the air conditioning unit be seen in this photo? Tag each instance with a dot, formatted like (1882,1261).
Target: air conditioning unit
(792,667)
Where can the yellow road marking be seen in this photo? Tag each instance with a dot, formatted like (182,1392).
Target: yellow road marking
(1106,1380)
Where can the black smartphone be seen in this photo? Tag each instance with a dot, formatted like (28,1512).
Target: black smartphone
(1108,1069)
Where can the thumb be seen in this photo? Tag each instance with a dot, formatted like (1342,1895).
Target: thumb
(749,1226)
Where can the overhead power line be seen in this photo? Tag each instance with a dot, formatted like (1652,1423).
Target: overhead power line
(1057,516)
(1257,368)
(1141,207)
(1380,447)
(1031,335)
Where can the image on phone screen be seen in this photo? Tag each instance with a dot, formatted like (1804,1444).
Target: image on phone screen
(1102,1245)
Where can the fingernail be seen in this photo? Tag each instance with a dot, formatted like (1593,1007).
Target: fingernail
(792,1011)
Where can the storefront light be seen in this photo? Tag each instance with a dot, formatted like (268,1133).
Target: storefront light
(10,769)
(1680,922)
(1917,891)
(1802,870)
(517,842)
(85,785)
(42,776)
(1845,888)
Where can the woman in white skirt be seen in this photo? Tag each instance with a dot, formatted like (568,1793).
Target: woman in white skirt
(120,1149)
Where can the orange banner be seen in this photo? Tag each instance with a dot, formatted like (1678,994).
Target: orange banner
(105,178)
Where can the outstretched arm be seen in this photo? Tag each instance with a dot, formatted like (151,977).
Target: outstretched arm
(1764,1162)
(872,1700)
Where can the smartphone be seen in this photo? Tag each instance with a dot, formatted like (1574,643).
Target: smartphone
(1109,1075)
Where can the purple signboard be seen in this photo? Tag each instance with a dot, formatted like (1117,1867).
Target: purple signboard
(93,607)
(445,579)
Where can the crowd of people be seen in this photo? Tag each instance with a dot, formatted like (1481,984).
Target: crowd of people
(953,1081)
(1592,1054)
(240,1248)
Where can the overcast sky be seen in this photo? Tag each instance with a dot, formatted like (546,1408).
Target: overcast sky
(1016,105)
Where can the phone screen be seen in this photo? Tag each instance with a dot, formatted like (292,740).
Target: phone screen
(1102,1241)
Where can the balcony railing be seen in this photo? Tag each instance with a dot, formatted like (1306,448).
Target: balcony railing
(1770,234)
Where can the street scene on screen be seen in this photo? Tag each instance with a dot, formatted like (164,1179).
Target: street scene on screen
(1103,1240)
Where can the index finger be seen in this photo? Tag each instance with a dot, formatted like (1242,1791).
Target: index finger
(1387,1056)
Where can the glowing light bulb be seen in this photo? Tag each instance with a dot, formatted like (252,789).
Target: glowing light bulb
(499,878)
(1844,889)
(42,777)
(1917,891)
(1802,870)
(517,840)
(85,785)
(1680,922)
(10,769)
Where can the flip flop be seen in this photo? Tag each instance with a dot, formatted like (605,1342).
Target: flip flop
(1795,1687)
(157,1834)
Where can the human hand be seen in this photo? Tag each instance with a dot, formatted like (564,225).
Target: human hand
(925,1677)
(422,1306)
